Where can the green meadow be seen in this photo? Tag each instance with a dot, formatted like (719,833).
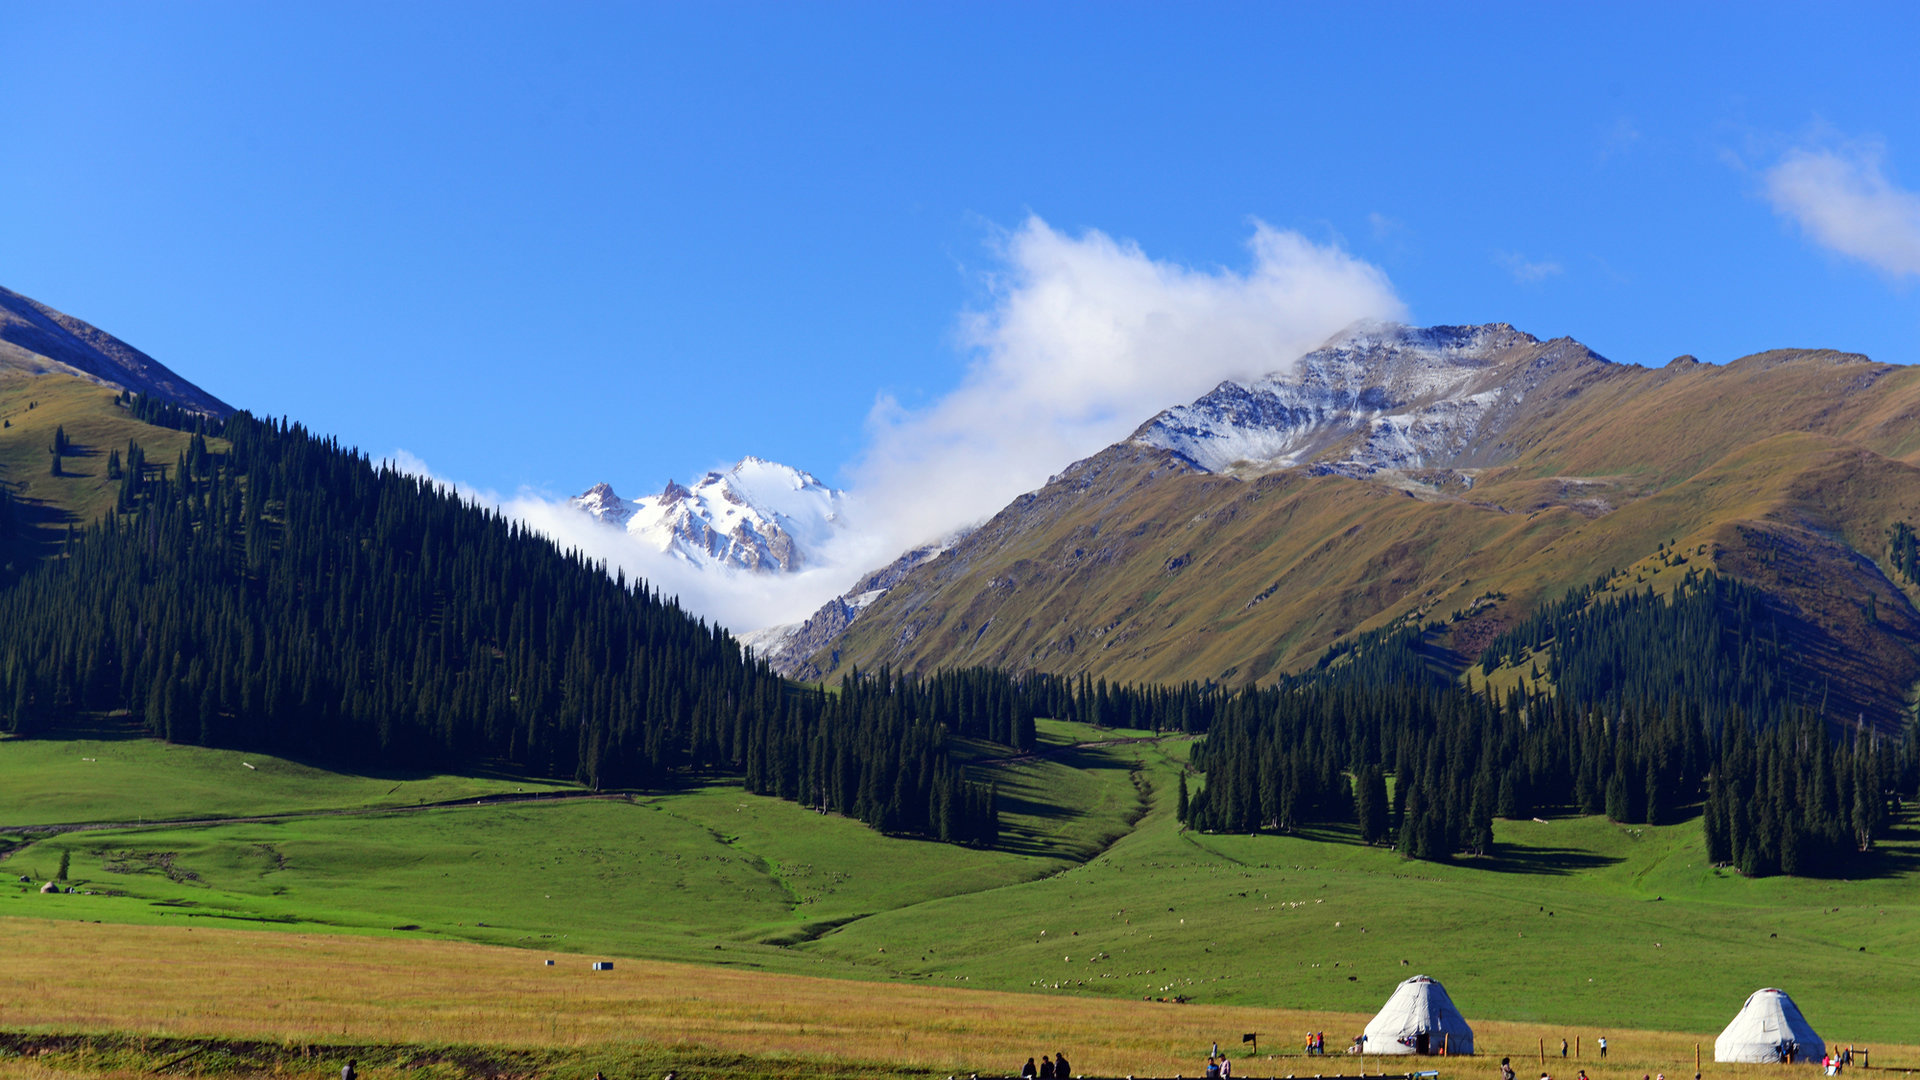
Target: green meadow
(1096,891)
(115,777)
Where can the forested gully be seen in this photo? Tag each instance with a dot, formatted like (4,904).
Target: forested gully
(272,590)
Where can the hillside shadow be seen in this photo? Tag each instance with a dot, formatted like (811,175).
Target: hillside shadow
(42,526)
(1027,796)
(1879,864)
(91,729)
(1548,861)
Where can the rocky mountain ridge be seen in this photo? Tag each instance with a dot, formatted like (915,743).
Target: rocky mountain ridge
(1455,477)
(36,339)
(1380,398)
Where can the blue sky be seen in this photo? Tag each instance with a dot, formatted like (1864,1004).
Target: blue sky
(538,246)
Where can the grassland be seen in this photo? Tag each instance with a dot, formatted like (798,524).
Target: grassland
(320,999)
(1099,896)
(112,775)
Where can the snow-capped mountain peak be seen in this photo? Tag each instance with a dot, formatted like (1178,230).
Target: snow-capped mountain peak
(600,501)
(1378,397)
(759,515)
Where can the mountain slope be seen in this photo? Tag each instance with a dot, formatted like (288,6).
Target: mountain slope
(36,339)
(1459,476)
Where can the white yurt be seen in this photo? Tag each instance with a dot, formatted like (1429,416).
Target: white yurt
(1419,1019)
(1763,1028)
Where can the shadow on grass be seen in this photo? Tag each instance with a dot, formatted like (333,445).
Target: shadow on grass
(1507,858)
(113,727)
(1549,861)
(1881,862)
(43,526)
(1021,794)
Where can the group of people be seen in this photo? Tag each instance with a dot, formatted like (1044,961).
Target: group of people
(1050,1068)
(1316,1042)
(1219,1067)
(1834,1062)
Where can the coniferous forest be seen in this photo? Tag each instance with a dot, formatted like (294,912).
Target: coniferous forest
(282,593)
(1660,704)
(287,595)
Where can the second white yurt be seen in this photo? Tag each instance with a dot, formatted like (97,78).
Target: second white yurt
(1764,1029)
(1419,1019)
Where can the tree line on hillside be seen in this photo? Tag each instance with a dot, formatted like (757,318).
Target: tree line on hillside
(287,595)
(282,593)
(1712,641)
(1903,551)
(10,531)
(1780,793)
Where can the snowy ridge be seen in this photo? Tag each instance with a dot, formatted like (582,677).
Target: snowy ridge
(759,515)
(1380,397)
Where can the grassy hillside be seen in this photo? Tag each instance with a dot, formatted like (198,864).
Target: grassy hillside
(34,407)
(709,866)
(1785,470)
(1576,922)
(88,779)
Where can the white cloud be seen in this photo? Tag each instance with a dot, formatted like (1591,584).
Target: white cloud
(1085,337)
(1525,271)
(1846,203)
(736,599)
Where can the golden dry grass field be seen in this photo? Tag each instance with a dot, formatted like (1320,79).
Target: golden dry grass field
(335,990)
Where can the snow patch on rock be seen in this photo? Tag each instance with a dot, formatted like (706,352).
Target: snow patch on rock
(1380,397)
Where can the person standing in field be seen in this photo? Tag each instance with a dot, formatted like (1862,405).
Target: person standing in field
(1061,1071)
(1226,1067)
(1028,1072)
(1046,1067)
(1603,1046)
(1563,1048)
(1506,1069)
(347,1072)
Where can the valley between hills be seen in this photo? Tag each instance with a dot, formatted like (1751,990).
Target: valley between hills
(379,828)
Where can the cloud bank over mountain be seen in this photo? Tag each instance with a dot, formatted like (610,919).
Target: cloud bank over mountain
(1087,336)
(1082,338)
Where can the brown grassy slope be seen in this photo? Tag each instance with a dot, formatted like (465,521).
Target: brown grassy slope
(95,425)
(1789,467)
